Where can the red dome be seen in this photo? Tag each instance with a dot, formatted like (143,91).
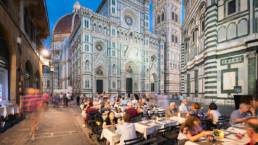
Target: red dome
(64,24)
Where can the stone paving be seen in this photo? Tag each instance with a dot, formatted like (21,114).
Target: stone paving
(58,126)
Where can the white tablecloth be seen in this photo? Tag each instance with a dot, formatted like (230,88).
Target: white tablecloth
(110,136)
(180,120)
(149,127)
(7,110)
(230,138)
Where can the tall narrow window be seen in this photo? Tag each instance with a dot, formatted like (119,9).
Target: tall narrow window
(87,65)
(114,69)
(256,3)
(172,38)
(193,36)
(113,10)
(173,16)
(86,38)
(163,17)
(113,2)
(203,25)
(188,87)
(231,7)
(176,18)
(158,19)
(87,48)
(86,24)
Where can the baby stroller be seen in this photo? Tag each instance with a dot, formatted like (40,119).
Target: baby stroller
(95,122)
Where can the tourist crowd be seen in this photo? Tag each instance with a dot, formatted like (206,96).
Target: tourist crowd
(105,111)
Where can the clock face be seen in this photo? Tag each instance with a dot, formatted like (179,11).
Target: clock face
(99,47)
(128,20)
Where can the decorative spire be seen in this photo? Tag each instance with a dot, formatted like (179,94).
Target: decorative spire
(76,6)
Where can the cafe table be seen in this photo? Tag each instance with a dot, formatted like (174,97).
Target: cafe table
(110,135)
(229,138)
(180,120)
(148,127)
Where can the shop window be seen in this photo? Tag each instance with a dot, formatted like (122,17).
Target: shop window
(3,84)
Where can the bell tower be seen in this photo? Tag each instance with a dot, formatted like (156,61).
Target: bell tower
(167,23)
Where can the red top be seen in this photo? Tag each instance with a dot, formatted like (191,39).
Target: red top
(132,112)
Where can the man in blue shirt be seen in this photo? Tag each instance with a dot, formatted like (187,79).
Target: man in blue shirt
(240,115)
(125,101)
(181,97)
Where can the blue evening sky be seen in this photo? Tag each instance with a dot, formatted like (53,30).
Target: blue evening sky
(58,8)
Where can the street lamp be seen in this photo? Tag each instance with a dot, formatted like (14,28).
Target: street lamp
(45,53)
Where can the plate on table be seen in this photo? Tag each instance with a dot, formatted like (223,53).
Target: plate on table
(236,130)
(145,121)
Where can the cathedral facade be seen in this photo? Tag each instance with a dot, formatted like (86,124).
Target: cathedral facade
(113,50)
(219,54)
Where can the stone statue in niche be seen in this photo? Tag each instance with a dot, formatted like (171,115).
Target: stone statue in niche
(99,71)
(129,69)
(153,58)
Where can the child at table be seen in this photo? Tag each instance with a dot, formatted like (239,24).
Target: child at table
(182,136)
(191,130)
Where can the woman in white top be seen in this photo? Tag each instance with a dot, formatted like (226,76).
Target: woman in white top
(213,113)
(127,130)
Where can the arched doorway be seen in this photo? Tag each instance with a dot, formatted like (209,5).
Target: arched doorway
(28,75)
(4,70)
(99,80)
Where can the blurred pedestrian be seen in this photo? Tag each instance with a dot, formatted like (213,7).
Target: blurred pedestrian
(65,100)
(78,100)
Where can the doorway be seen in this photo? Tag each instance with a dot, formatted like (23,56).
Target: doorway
(152,87)
(99,86)
(129,85)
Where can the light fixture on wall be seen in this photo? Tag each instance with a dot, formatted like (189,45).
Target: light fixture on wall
(19,41)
